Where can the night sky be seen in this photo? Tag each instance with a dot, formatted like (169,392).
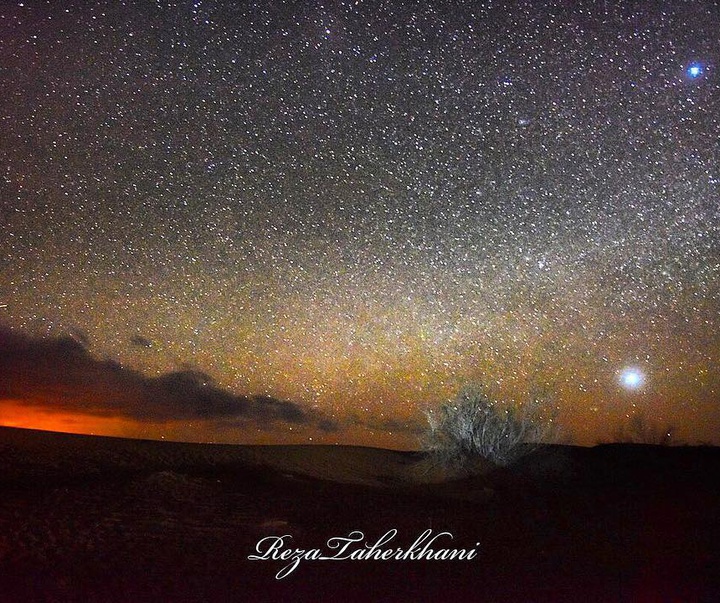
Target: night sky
(301,221)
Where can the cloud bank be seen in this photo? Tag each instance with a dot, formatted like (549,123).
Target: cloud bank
(59,374)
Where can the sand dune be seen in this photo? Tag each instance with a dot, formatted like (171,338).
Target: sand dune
(29,455)
(106,519)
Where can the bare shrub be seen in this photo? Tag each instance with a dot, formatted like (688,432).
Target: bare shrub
(640,430)
(474,425)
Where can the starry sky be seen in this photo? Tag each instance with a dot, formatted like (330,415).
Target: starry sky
(273,222)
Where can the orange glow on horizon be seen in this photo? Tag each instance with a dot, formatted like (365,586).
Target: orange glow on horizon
(16,414)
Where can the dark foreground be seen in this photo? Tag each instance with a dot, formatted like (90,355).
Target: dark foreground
(100,519)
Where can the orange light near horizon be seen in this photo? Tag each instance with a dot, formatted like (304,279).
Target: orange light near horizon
(16,414)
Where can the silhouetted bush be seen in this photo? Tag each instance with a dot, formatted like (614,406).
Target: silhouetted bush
(640,430)
(474,425)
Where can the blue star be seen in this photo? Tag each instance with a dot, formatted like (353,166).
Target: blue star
(695,70)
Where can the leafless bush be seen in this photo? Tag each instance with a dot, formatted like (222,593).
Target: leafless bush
(475,425)
(640,430)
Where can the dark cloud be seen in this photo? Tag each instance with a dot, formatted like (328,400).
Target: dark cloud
(60,374)
(386,424)
(328,425)
(80,336)
(140,341)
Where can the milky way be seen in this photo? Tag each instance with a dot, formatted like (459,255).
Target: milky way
(359,207)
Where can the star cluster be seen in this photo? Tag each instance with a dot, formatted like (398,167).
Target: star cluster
(360,206)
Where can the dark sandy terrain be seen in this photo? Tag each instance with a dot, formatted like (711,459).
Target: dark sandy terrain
(102,519)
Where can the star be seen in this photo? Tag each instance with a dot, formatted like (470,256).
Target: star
(632,378)
(695,70)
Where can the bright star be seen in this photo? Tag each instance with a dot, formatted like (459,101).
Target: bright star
(694,70)
(632,378)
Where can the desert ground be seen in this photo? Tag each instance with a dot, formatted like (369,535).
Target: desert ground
(86,518)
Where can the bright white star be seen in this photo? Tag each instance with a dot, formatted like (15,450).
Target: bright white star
(632,378)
